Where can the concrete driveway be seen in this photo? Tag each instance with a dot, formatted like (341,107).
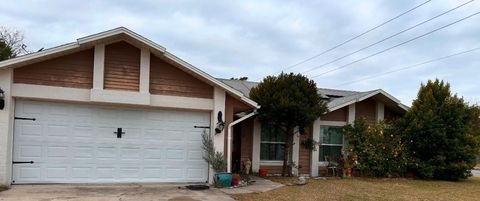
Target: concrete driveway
(123,192)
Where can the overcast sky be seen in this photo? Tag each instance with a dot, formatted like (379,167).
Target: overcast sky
(258,38)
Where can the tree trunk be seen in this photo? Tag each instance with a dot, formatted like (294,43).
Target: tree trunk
(287,169)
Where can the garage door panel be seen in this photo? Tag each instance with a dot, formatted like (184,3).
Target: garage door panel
(58,130)
(76,144)
(81,172)
(57,173)
(28,152)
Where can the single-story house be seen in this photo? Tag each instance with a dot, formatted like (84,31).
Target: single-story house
(115,107)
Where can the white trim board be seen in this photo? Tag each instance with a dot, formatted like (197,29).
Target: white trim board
(109,97)
(378,91)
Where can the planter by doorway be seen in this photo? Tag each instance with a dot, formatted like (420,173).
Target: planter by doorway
(223,179)
(263,172)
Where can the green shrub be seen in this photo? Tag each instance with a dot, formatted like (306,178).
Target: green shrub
(214,158)
(379,149)
(442,132)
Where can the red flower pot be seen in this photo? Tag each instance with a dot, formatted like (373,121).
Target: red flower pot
(262,172)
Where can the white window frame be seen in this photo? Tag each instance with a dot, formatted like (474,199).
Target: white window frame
(329,124)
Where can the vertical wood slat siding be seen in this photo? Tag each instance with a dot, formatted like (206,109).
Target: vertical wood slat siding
(122,67)
(366,109)
(247,140)
(166,79)
(304,153)
(74,70)
(337,115)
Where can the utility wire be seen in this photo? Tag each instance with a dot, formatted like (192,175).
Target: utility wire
(395,46)
(389,37)
(357,36)
(408,67)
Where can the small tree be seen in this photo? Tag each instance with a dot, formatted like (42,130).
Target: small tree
(440,129)
(212,157)
(288,101)
(5,51)
(11,43)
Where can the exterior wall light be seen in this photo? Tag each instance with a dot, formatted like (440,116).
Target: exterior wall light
(220,123)
(2,99)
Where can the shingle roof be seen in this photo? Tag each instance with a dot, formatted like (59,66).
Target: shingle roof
(336,98)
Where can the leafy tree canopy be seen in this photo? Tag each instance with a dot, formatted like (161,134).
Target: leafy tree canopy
(5,51)
(442,131)
(287,101)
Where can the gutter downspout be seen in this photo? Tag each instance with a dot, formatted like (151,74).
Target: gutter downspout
(229,144)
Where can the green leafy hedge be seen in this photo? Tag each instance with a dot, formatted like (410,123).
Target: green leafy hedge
(379,149)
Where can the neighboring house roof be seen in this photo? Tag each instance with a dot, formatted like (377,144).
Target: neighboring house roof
(336,98)
(132,36)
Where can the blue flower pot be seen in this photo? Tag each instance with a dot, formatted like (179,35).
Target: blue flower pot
(223,179)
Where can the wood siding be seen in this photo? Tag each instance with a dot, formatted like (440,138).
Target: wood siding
(73,70)
(247,140)
(304,153)
(337,115)
(122,67)
(166,79)
(366,109)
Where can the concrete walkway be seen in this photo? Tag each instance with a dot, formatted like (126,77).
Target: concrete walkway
(260,185)
(476,173)
(124,192)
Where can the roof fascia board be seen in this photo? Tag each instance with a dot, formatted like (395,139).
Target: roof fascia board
(210,78)
(378,91)
(121,30)
(36,55)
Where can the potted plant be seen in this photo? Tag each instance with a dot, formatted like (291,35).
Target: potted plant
(348,168)
(217,161)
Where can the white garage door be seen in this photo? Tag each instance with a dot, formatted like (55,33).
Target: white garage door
(72,143)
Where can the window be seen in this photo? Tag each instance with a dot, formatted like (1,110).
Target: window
(331,143)
(272,143)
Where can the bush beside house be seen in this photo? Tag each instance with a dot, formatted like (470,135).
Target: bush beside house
(438,138)
(379,149)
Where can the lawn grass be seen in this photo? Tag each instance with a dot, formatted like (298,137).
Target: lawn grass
(371,189)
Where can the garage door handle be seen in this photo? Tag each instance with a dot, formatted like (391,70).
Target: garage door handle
(119,133)
(22,162)
(24,118)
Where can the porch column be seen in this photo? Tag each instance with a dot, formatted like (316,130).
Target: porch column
(218,138)
(296,151)
(6,128)
(380,111)
(351,113)
(314,158)
(257,129)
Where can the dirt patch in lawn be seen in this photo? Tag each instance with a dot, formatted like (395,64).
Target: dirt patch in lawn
(371,189)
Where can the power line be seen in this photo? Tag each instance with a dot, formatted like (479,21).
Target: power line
(395,46)
(357,36)
(408,67)
(389,37)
